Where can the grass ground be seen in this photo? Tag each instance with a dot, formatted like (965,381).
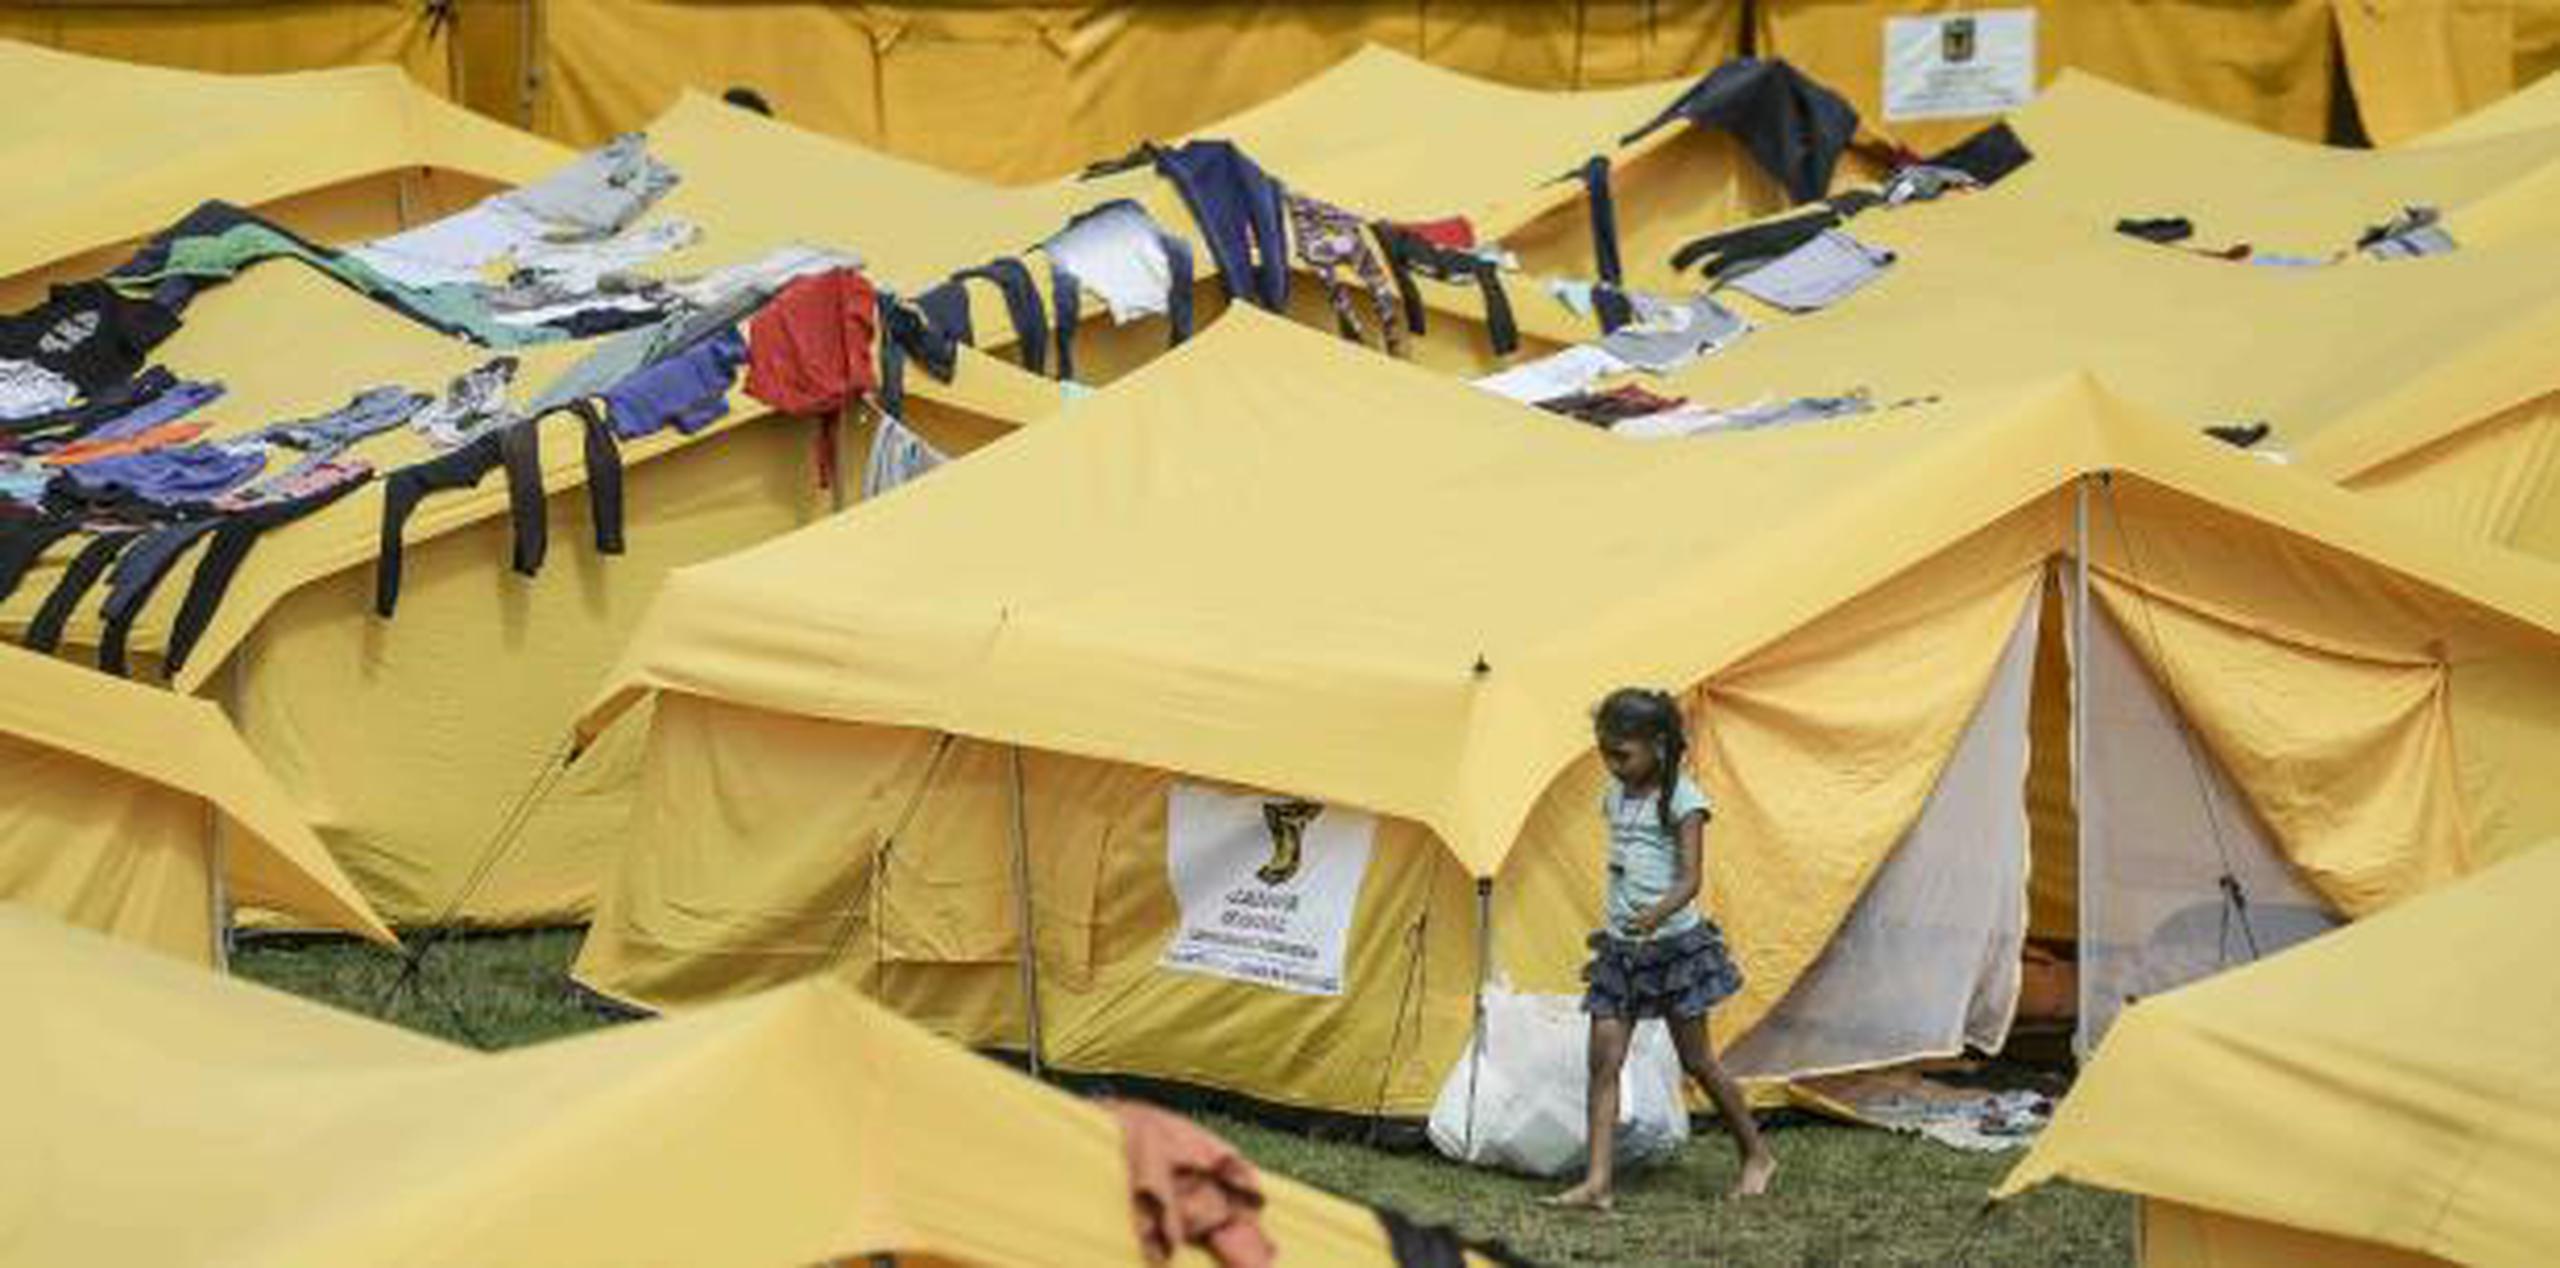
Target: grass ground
(1846,1196)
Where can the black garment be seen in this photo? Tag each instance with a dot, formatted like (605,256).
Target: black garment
(1409,253)
(604,476)
(87,333)
(1416,1245)
(1069,298)
(1794,127)
(1987,155)
(2240,435)
(2160,229)
(1608,294)
(1237,207)
(1144,155)
(206,220)
(520,451)
(239,532)
(62,426)
(461,469)
(946,314)
(1021,303)
(23,543)
(44,633)
(1734,250)
(908,332)
(136,575)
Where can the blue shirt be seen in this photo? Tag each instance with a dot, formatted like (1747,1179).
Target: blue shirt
(1644,859)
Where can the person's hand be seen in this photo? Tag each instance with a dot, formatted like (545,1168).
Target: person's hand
(1645,923)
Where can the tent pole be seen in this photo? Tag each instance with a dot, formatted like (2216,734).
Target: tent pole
(1028,953)
(217,890)
(1476,1043)
(226,682)
(2080,706)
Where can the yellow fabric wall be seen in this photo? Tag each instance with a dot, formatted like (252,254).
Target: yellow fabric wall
(2176,1236)
(409,740)
(899,876)
(241,38)
(105,850)
(2268,63)
(1025,92)
(2497,481)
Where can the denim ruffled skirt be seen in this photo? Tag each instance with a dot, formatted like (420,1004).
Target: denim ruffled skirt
(1678,977)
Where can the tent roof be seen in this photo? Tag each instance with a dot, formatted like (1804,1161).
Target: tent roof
(2029,280)
(186,745)
(161,1113)
(2391,1082)
(144,144)
(1273,558)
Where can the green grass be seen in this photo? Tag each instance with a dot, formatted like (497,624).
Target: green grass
(1845,1196)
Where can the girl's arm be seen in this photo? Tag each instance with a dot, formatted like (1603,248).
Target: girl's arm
(1684,890)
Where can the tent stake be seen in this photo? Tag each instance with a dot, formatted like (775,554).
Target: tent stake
(1022,916)
(2080,704)
(1477,1043)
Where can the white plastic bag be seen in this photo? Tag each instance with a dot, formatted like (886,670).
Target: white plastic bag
(1529,1112)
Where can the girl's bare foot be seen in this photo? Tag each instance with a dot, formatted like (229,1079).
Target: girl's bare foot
(1582,1197)
(1757,1171)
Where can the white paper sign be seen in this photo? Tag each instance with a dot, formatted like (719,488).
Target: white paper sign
(1950,65)
(1266,886)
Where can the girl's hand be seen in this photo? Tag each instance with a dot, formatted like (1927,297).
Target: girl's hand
(1646,922)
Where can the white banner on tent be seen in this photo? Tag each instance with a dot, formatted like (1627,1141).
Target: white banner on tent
(1951,65)
(1266,886)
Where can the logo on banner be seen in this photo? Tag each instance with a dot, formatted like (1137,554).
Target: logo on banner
(1267,887)
(1956,65)
(1956,40)
(1288,822)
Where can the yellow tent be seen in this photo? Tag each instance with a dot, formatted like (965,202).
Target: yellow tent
(2445,403)
(240,36)
(337,155)
(413,742)
(2382,1097)
(158,1114)
(1029,92)
(141,815)
(918,225)
(907,743)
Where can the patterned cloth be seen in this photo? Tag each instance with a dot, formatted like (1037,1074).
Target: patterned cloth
(1680,976)
(1328,239)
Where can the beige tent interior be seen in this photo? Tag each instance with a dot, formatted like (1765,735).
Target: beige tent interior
(140,815)
(336,155)
(414,742)
(907,744)
(160,1114)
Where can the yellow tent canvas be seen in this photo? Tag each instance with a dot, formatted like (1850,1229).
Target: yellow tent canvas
(413,742)
(905,745)
(141,815)
(2444,403)
(336,155)
(2381,1096)
(159,1114)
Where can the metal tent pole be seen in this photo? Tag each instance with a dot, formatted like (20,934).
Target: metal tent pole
(1477,1042)
(1029,952)
(2081,652)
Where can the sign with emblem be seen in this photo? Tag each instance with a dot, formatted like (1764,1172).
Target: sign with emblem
(1266,886)
(1955,65)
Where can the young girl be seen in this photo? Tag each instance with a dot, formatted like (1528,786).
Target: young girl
(1658,957)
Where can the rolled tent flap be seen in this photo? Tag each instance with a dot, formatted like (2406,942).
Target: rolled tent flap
(1810,754)
(2345,754)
